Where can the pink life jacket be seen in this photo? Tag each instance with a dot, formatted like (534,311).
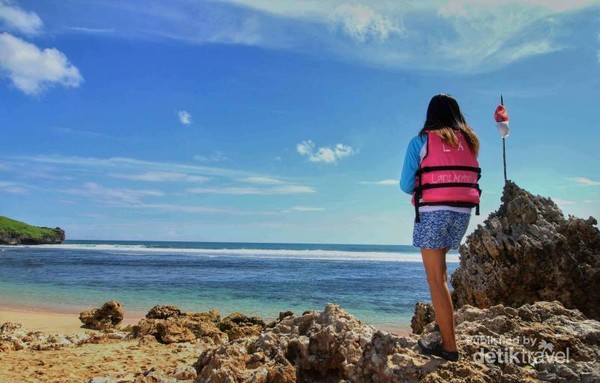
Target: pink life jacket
(447,175)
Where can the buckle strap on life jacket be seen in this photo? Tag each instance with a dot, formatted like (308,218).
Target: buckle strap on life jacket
(420,188)
(417,196)
(426,169)
(449,203)
(419,192)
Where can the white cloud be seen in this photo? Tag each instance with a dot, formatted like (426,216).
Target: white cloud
(362,23)
(261,180)
(32,70)
(113,196)
(184,117)
(192,209)
(126,163)
(585,181)
(305,148)
(149,171)
(461,36)
(216,156)
(388,182)
(16,19)
(458,35)
(92,30)
(464,6)
(161,177)
(305,208)
(191,178)
(234,190)
(324,154)
(496,33)
(13,188)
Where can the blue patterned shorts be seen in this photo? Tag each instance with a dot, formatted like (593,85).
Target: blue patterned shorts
(439,229)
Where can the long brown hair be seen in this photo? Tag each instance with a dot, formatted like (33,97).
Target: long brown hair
(445,118)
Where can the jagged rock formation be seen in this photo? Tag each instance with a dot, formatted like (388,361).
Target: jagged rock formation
(528,251)
(108,316)
(13,337)
(14,232)
(169,325)
(238,325)
(154,375)
(163,312)
(539,342)
(332,346)
(424,315)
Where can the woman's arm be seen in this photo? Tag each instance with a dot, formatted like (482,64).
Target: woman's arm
(412,159)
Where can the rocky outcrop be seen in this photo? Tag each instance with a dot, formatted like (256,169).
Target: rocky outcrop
(238,325)
(528,251)
(13,337)
(14,232)
(424,315)
(535,342)
(163,312)
(154,375)
(332,346)
(110,315)
(169,325)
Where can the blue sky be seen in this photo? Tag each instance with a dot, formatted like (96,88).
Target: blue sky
(281,121)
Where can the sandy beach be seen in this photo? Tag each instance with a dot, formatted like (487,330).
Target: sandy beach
(118,359)
(51,322)
(122,360)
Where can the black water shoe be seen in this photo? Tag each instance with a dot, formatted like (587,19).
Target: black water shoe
(435,348)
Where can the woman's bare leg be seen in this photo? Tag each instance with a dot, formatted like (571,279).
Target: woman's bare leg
(434,261)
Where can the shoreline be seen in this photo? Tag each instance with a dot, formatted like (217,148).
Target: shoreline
(36,319)
(67,321)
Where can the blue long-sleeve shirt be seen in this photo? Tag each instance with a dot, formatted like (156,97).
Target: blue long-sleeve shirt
(412,159)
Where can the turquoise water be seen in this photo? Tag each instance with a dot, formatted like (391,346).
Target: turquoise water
(377,284)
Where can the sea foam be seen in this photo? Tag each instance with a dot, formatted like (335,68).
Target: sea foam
(308,254)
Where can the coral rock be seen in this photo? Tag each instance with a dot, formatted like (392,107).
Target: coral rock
(108,316)
(238,325)
(424,315)
(179,327)
(332,346)
(528,251)
(163,312)
(185,373)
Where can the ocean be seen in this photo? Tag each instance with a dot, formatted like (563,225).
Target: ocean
(379,284)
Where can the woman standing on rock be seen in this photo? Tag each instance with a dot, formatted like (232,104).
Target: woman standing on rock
(441,172)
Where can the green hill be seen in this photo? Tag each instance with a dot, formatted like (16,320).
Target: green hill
(14,232)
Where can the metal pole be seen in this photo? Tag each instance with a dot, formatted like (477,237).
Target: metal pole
(503,143)
(504,156)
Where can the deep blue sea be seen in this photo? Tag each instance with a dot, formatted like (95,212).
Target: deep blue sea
(378,284)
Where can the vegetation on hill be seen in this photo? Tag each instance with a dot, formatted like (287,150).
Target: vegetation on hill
(13,232)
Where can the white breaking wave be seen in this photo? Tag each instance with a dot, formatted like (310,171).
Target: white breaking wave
(333,255)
